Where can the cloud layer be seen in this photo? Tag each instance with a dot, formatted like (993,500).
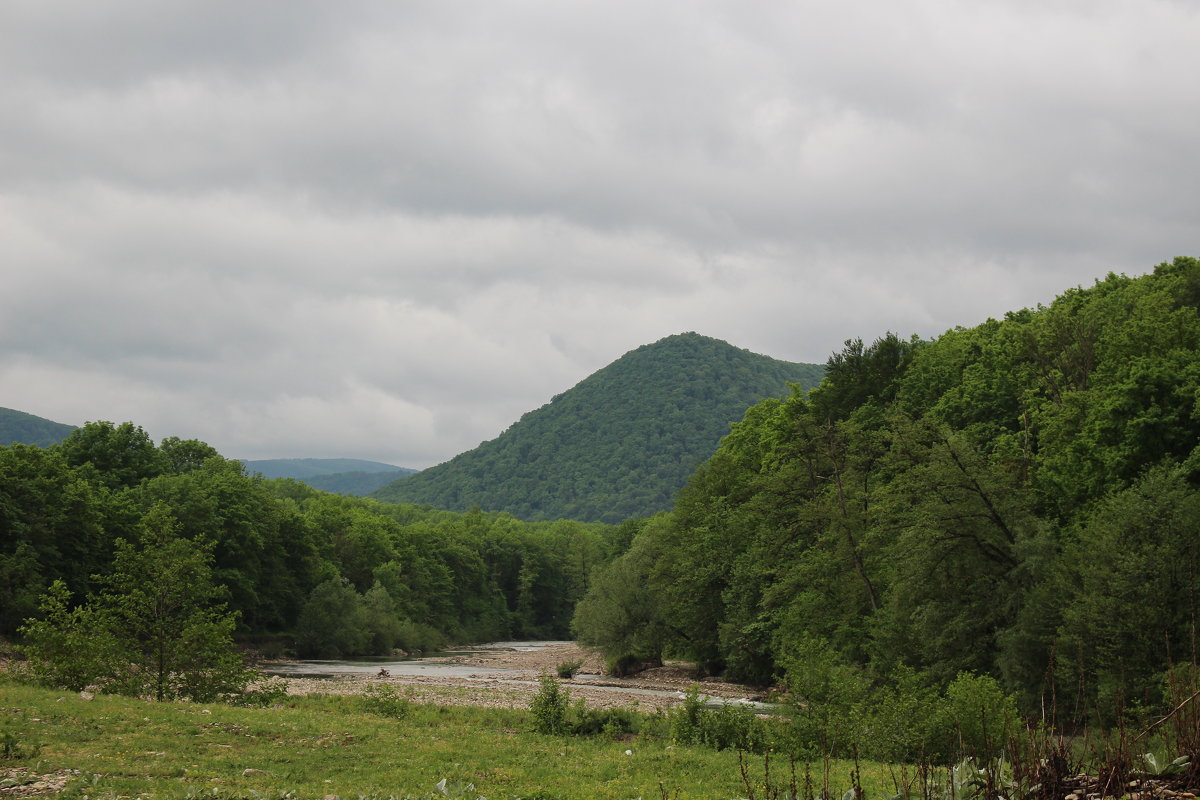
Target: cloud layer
(385,230)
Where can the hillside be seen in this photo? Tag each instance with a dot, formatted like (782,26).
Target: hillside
(617,445)
(17,427)
(350,476)
(1019,500)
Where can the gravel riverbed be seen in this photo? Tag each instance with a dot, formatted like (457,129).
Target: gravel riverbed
(651,690)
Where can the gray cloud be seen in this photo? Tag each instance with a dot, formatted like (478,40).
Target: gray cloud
(385,230)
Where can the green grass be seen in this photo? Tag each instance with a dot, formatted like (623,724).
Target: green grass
(327,745)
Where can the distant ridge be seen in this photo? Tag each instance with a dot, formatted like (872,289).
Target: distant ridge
(617,445)
(17,427)
(351,476)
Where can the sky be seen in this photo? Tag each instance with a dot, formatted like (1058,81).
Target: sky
(385,230)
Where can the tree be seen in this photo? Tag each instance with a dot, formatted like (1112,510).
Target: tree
(154,628)
(122,455)
(185,455)
(620,614)
(333,623)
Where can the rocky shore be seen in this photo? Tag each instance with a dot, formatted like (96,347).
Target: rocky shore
(648,691)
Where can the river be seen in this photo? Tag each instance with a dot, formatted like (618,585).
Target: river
(495,664)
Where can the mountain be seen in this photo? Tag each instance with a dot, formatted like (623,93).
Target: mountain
(350,476)
(17,427)
(617,445)
(301,468)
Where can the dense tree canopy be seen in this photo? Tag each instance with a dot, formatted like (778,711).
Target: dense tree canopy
(283,556)
(1016,499)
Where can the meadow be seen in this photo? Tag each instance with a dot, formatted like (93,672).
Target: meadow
(316,746)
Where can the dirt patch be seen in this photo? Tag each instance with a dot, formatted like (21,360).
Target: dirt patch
(24,782)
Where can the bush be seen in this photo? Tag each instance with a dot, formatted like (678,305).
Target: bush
(624,666)
(612,722)
(830,696)
(550,707)
(382,699)
(979,716)
(721,728)
(567,669)
(899,721)
(262,695)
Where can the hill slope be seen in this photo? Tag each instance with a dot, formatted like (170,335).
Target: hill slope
(17,427)
(301,468)
(617,445)
(350,476)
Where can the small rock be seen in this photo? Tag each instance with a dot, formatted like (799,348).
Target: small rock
(251,771)
(628,752)
(331,797)
(87,695)
(205,711)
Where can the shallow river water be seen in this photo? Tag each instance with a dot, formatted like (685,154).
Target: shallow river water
(429,664)
(433,665)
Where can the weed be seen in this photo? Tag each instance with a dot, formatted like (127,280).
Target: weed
(262,695)
(12,748)
(384,700)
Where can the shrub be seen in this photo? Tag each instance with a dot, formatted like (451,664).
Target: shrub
(978,715)
(550,707)
(262,695)
(567,669)
(828,694)
(624,666)
(612,722)
(382,699)
(724,727)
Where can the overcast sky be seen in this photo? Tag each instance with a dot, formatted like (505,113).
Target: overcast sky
(386,229)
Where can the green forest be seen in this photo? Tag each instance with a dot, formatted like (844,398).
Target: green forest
(619,444)
(335,575)
(1009,509)
(19,427)
(1017,500)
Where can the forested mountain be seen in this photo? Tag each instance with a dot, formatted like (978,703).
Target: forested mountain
(1019,499)
(303,468)
(617,445)
(349,476)
(343,575)
(17,427)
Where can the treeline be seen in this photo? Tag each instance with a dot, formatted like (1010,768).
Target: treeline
(1017,500)
(617,445)
(341,575)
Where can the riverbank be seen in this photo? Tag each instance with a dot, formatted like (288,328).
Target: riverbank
(648,691)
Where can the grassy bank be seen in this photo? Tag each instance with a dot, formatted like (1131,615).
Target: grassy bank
(329,745)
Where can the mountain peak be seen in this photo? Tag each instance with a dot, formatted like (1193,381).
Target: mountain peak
(618,444)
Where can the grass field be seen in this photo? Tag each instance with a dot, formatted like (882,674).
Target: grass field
(321,745)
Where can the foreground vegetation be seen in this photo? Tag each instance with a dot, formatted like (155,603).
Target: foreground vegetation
(320,745)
